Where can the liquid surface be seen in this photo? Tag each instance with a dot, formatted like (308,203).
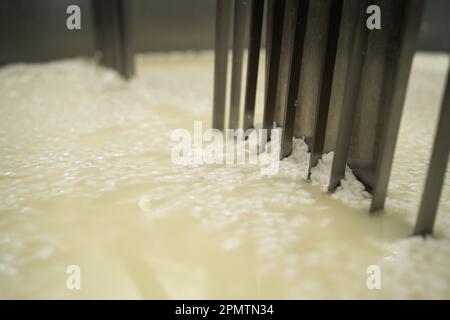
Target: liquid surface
(86,179)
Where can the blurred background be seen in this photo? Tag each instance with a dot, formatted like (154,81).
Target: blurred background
(35,31)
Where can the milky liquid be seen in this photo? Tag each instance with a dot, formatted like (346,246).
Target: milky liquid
(86,179)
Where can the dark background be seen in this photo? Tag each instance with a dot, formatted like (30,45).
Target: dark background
(35,30)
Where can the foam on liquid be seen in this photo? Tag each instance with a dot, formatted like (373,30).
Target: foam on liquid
(86,179)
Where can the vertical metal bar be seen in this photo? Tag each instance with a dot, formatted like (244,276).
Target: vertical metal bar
(312,68)
(368,122)
(269,27)
(297,33)
(223,11)
(345,43)
(437,169)
(113,35)
(126,39)
(401,48)
(239,28)
(105,38)
(351,90)
(273,47)
(321,117)
(256,19)
(287,45)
